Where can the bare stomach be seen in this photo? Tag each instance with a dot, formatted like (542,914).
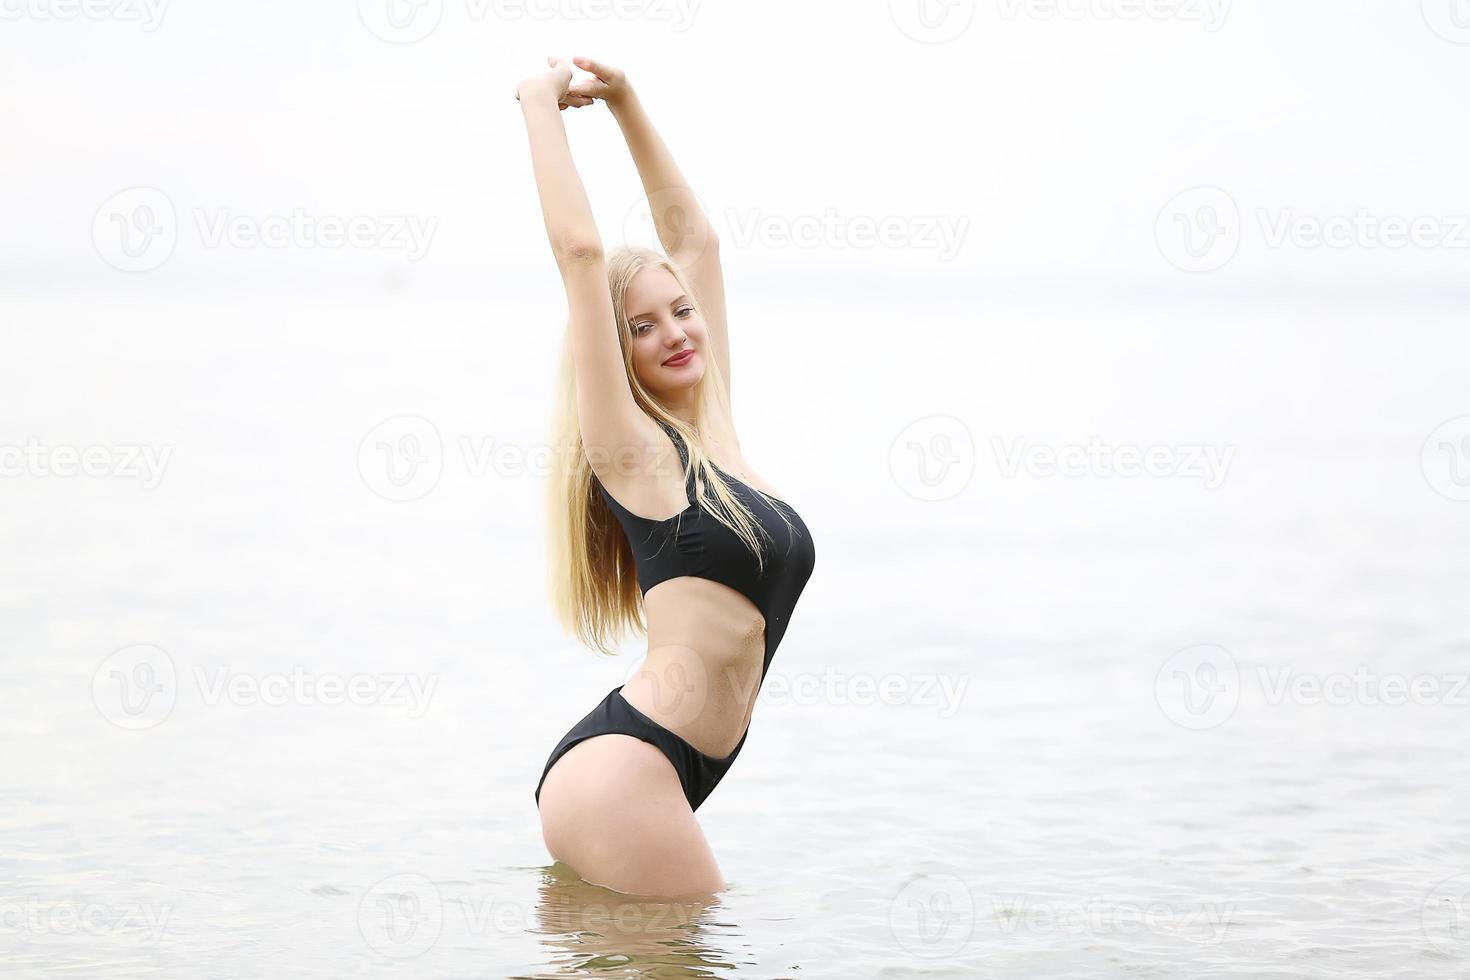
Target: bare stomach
(706,646)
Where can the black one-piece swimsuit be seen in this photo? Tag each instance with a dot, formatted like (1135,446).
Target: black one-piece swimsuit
(692,543)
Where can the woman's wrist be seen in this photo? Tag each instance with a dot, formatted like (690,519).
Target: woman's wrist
(536,95)
(625,99)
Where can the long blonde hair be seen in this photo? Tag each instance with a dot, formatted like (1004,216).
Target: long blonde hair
(592,576)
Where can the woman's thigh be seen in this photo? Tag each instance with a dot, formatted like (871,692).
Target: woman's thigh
(613,810)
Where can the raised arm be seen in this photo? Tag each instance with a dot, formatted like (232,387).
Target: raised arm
(564,206)
(687,236)
(610,419)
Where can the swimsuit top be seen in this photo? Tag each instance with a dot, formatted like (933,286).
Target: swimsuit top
(694,543)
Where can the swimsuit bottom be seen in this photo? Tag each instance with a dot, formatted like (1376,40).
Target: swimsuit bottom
(699,774)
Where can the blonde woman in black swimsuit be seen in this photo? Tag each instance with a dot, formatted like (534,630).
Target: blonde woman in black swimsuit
(657,523)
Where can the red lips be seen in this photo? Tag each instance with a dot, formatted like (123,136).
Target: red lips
(680,358)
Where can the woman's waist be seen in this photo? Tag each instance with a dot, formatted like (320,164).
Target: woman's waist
(704,696)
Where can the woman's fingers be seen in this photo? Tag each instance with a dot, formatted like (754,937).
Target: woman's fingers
(587,89)
(602,71)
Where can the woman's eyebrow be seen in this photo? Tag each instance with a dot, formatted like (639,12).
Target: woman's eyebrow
(672,303)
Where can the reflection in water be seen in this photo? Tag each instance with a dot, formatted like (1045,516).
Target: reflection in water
(595,931)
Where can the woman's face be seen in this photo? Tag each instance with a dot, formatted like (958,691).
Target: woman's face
(665,323)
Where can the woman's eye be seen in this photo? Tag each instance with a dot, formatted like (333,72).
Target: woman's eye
(685,309)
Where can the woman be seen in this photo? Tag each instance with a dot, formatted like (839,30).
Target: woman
(658,524)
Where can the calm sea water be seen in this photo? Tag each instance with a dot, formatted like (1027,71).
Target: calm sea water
(276,702)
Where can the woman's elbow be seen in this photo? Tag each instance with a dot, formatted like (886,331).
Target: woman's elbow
(578,249)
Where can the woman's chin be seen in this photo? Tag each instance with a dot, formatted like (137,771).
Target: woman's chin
(674,380)
(684,375)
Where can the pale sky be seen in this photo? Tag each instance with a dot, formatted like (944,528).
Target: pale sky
(1044,142)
